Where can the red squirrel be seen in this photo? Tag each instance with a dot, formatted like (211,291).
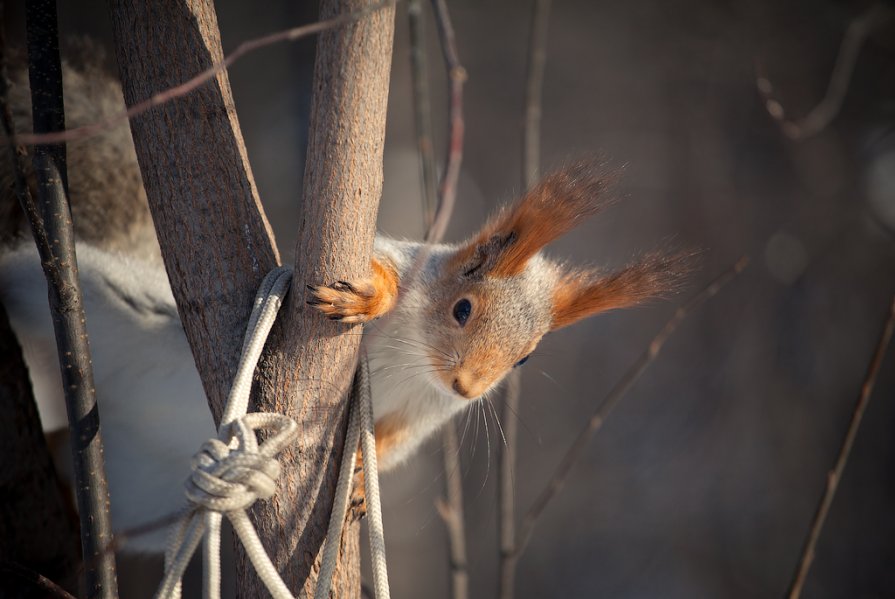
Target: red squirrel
(464,315)
(453,320)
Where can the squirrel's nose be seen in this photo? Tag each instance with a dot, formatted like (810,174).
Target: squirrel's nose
(470,384)
(459,388)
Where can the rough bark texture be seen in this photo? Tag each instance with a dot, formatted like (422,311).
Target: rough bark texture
(217,244)
(312,372)
(37,530)
(215,240)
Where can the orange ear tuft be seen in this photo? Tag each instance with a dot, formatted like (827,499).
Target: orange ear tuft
(580,294)
(558,203)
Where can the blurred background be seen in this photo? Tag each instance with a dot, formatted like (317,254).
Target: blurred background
(704,480)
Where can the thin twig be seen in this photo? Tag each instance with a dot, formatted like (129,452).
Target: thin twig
(288,35)
(835,475)
(506,493)
(56,246)
(451,511)
(534,86)
(826,110)
(450,508)
(36,579)
(447,191)
(531,161)
(422,108)
(573,455)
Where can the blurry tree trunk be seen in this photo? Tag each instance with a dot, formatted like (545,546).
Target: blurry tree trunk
(217,244)
(36,529)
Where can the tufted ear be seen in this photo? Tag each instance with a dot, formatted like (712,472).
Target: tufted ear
(583,293)
(561,200)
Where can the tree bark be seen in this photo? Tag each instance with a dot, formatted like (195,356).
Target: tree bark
(217,244)
(311,372)
(215,240)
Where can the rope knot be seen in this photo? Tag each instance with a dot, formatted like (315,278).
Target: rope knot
(229,473)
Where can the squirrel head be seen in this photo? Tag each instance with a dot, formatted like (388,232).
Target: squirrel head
(498,295)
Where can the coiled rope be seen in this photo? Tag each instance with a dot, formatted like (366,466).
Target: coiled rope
(229,473)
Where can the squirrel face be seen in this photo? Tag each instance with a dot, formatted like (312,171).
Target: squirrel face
(497,295)
(484,326)
(484,305)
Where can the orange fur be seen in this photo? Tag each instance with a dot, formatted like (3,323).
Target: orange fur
(557,204)
(580,294)
(358,302)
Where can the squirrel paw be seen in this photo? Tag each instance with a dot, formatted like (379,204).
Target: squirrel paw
(357,506)
(345,302)
(360,301)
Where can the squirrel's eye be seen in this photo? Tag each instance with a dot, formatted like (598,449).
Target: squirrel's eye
(522,361)
(462,310)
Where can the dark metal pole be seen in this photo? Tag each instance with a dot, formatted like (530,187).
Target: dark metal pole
(52,228)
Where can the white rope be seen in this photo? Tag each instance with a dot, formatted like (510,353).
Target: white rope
(360,425)
(229,473)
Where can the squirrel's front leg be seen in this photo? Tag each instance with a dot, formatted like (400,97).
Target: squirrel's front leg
(359,301)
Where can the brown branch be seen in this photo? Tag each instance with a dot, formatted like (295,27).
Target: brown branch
(574,453)
(506,523)
(451,511)
(47,587)
(450,508)
(822,115)
(342,188)
(531,160)
(193,83)
(447,191)
(422,109)
(835,475)
(534,86)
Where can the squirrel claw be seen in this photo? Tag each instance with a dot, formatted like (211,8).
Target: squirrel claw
(345,302)
(357,507)
(343,286)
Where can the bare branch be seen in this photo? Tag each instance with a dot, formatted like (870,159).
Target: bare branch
(534,86)
(506,522)
(192,84)
(422,109)
(823,114)
(835,475)
(52,226)
(47,586)
(573,455)
(451,508)
(447,192)
(451,511)
(531,160)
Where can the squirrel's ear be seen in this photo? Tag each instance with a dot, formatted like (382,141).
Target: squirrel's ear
(580,294)
(554,206)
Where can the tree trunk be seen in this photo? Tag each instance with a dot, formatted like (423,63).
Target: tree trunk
(215,240)
(310,374)
(217,244)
